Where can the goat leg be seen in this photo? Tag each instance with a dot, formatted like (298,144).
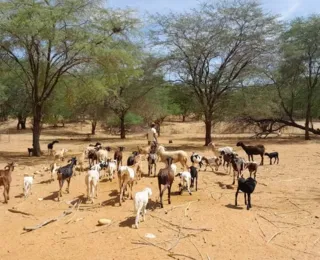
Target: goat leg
(68,181)
(249,201)
(236,199)
(245,198)
(169,193)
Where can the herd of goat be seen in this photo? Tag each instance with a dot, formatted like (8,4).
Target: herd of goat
(99,159)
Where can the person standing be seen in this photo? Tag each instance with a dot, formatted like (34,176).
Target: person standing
(152,134)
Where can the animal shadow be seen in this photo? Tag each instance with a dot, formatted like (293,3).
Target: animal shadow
(153,205)
(111,202)
(231,206)
(128,222)
(225,186)
(52,196)
(113,193)
(21,195)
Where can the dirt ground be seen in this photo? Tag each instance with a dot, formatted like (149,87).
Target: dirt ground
(282,224)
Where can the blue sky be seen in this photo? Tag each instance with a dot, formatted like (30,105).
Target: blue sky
(288,9)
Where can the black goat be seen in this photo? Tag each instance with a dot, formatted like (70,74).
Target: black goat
(253,150)
(274,155)
(194,175)
(65,173)
(50,146)
(247,186)
(131,158)
(30,151)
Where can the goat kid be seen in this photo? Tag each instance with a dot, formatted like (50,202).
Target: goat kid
(27,184)
(166,178)
(126,177)
(185,181)
(194,176)
(274,155)
(140,204)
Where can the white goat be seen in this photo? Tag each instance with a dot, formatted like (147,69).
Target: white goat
(174,168)
(27,184)
(177,156)
(60,154)
(54,169)
(111,168)
(185,181)
(92,180)
(102,155)
(140,204)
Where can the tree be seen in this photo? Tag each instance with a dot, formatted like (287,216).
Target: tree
(131,80)
(48,39)
(212,48)
(293,72)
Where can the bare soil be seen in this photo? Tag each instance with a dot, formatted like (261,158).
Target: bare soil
(284,222)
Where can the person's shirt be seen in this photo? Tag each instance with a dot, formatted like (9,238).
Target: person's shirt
(151,133)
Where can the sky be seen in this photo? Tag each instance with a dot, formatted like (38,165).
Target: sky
(287,9)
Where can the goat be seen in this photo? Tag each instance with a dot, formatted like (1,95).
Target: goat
(238,165)
(252,167)
(65,173)
(166,178)
(95,145)
(247,186)
(126,177)
(196,158)
(5,180)
(111,168)
(152,163)
(60,154)
(54,169)
(102,154)
(274,155)
(27,184)
(92,156)
(135,159)
(194,175)
(30,151)
(118,156)
(140,204)
(177,156)
(253,150)
(185,181)
(50,146)
(92,180)
(212,161)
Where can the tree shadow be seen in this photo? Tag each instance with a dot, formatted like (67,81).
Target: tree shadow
(231,206)
(128,222)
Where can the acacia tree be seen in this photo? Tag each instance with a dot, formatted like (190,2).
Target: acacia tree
(49,38)
(296,77)
(210,49)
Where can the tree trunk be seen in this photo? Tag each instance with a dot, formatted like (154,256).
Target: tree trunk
(21,122)
(208,123)
(93,127)
(122,127)
(308,112)
(36,130)
(183,118)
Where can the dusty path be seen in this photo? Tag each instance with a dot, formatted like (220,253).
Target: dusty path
(284,222)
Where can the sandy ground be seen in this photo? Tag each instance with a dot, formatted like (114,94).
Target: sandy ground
(283,223)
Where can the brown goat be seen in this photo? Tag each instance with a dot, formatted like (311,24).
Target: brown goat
(166,178)
(118,156)
(5,180)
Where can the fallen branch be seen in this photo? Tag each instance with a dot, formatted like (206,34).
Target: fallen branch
(293,249)
(299,207)
(278,233)
(172,256)
(65,213)
(196,248)
(260,227)
(20,212)
(78,203)
(189,228)
(268,220)
(153,244)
